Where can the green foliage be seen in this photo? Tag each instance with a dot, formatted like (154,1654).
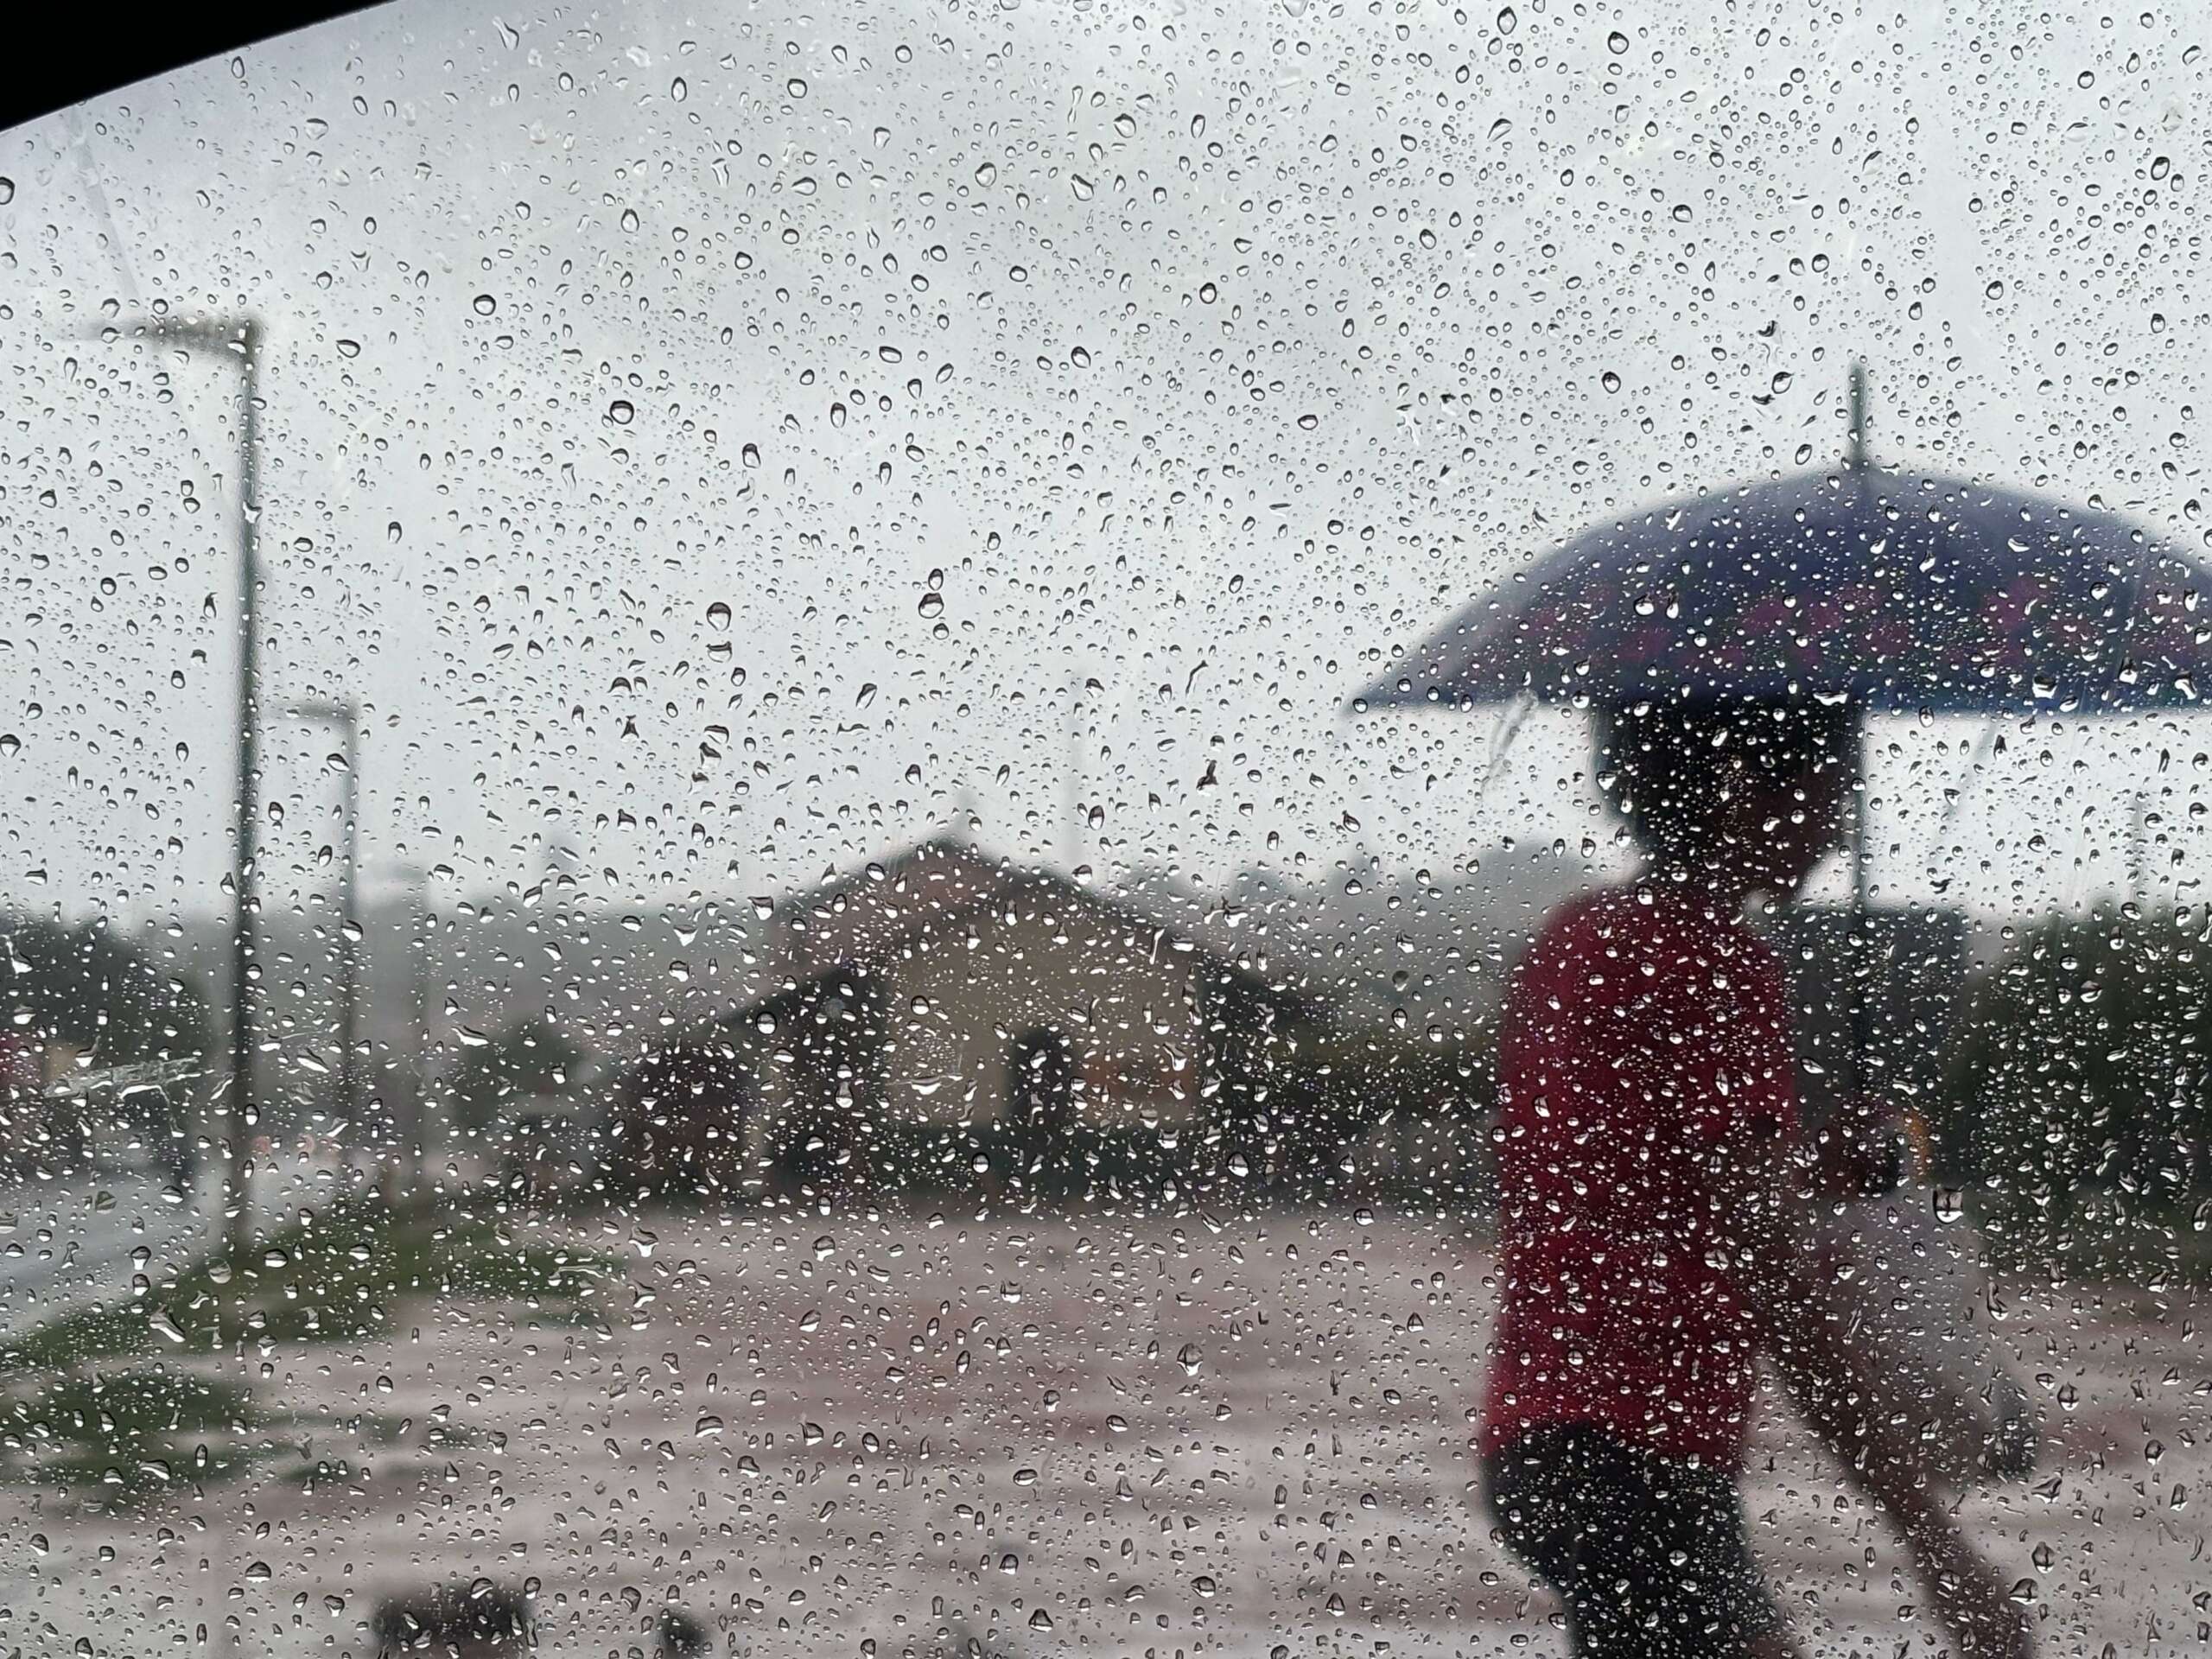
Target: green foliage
(1076,1161)
(2078,1105)
(1341,1087)
(129,1429)
(330,1278)
(1279,1133)
(529,1057)
(84,987)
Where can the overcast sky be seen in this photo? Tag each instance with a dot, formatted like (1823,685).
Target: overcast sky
(712,441)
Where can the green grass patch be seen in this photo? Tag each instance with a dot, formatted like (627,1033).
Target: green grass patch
(133,1431)
(117,1437)
(333,1277)
(2104,1238)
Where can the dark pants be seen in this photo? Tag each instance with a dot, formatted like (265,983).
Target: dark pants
(1651,1556)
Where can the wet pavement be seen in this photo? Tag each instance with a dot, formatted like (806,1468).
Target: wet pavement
(1112,1435)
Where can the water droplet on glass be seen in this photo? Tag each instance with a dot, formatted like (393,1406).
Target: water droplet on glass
(349,348)
(718,617)
(678,89)
(1508,21)
(986,173)
(621,411)
(7,191)
(1080,185)
(1616,43)
(485,304)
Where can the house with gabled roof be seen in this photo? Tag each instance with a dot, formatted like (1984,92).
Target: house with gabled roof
(943,987)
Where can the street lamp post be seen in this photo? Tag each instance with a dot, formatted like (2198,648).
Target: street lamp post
(404,1176)
(346,717)
(239,337)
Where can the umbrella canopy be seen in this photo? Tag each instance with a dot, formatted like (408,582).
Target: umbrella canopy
(1894,590)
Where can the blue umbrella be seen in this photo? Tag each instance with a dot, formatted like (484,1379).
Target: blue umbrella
(1889,590)
(1894,590)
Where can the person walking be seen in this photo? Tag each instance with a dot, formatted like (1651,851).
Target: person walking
(1654,1185)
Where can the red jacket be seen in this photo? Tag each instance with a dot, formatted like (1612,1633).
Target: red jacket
(1641,1029)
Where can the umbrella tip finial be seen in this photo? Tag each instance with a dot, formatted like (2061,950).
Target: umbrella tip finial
(1857,413)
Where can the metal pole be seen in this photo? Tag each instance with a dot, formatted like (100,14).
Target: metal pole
(1858,415)
(349,1018)
(402,1169)
(346,717)
(2139,852)
(1863,956)
(241,338)
(418,1096)
(244,1115)
(1073,785)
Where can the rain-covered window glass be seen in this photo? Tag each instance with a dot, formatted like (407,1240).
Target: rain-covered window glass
(1072,828)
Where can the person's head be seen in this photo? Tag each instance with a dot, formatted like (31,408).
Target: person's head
(1747,796)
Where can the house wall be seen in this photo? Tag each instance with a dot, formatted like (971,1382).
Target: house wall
(1126,1004)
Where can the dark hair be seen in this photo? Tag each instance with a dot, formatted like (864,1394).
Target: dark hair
(1667,766)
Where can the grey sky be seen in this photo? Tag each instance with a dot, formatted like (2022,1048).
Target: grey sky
(1207,353)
